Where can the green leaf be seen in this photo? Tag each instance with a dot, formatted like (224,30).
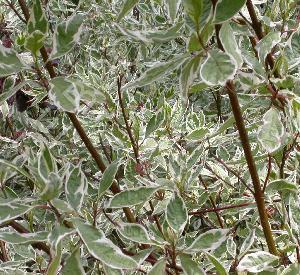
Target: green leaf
(218,265)
(131,197)
(87,92)
(9,210)
(108,178)
(54,265)
(218,68)
(52,187)
(126,8)
(229,44)
(293,269)
(226,9)
(281,185)
(135,233)
(189,266)
(188,74)
(37,20)
(10,63)
(73,264)
(157,72)
(257,262)
(176,213)
(265,45)
(66,35)
(172,7)
(75,187)
(64,94)
(155,122)
(247,243)
(197,134)
(231,247)
(158,268)
(157,36)
(194,9)
(34,42)
(46,163)
(17,168)
(25,238)
(112,271)
(57,234)
(294,43)
(102,248)
(271,133)
(208,241)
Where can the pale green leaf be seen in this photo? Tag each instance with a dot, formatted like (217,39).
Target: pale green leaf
(281,185)
(157,72)
(226,9)
(271,132)
(257,262)
(73,264)
(158,268)
(17,168)
(231,247)
(194,9)
(158,36)
(266,44)
(229,44)
(208,241)
(176,213)
(155,122)
(188,74)
(218,68)
(189,266)
(293,269)
(64,94)
(10,62)
(24,238)
(108,178)
(75,187)
(9,210)
(57,234)
(247,243)
(197,134)
(66,35)
(54,265)
(126,8)
(135,233)
(131,197)
(172,6)
(102,248)
(52,187)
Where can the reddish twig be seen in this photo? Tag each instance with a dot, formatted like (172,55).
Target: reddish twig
(268,173)
(208,210)
(212,203)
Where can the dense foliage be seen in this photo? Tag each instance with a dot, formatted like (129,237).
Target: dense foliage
(149,137)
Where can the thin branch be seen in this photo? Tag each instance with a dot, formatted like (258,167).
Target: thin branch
(259,196)
(220,178)
(76,123)
(21,229)
(134,144)
(257,26)
(207,210)
(12,6)
(212,203)
(268,173)
(4,254)
(233,172)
